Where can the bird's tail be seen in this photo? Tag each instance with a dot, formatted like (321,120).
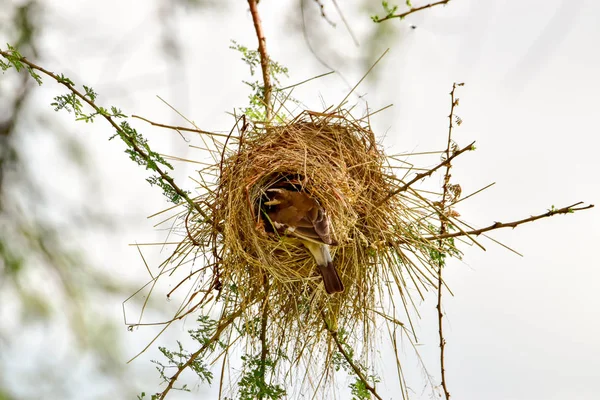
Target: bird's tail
(331,279)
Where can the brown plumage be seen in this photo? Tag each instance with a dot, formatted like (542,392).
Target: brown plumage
(299,215)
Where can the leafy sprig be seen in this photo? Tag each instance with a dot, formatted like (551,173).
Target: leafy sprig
(76,101)
(256,109)
(390,11)
(16,60)
(253,384)
(344,359)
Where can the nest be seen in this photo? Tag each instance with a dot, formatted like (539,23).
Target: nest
(269,282)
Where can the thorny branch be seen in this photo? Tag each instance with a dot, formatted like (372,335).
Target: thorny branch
(497,225)
(412,10)
(264,57)
(427,173)
(443,230)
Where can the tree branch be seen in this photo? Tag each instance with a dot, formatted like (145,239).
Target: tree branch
(264,57)
(166,177)
(427,173)
(443,230)
(497,225)
(411,11)
(357,371)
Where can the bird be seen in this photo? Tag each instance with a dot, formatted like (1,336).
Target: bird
(299,215)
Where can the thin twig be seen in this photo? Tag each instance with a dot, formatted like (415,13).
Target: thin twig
(322,9)
(264,57)
(335,110)
(346,24)
(313,50)
(304,81)
(181,128)
(427,173)
(412,11)
(497,225)
(189,234)
(263,333)
(357,371)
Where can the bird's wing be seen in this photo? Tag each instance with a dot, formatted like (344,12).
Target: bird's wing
(308,234)
(316,231)
(307,222)
(321,226)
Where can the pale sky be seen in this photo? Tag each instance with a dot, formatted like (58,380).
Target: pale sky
(518,328)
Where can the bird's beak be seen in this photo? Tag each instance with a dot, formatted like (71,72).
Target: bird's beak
(272,202)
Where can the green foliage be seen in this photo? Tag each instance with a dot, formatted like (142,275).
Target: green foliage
(253,384)
(168,191)
(177,359)
(338,359)
(446,248)
(388,10)
(204,332)
(71,103)
(142,396)
(74,102)
(12,262)
(358,388)
(256,110)
(250,327)
(250,57)
(437,256)
(140,152)
(14,60)
(137,146)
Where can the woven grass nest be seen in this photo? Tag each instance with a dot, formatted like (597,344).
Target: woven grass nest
(272,278)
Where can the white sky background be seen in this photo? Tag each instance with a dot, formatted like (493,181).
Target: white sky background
(518,328)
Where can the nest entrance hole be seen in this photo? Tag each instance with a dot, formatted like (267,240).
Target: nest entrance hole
(280,180)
